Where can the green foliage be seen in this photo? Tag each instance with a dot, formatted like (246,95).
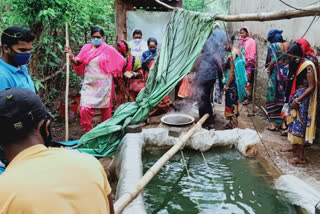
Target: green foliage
(209,6)
(37,83)
(47,18)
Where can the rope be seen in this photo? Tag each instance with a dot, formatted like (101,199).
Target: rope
(190,179)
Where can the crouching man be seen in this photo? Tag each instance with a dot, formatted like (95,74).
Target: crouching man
(38,179)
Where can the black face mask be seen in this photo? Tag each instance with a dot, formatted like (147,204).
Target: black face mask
(46,138)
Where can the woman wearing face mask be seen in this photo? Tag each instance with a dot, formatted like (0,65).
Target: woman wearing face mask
(149,56)
(235,82)
(99,63)
(133,72)
(278,68)
(248,47)
(302,92)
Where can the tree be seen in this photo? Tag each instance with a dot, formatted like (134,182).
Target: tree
(47,20)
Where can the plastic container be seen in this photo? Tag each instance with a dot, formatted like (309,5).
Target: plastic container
(73,110)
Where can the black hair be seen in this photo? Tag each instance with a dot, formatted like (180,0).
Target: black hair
(136,31)
(97,29)
(13,35)
(152,39)
(295,49)
(244,29)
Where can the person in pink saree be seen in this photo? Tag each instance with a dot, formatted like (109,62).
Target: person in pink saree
(248,48)
(99,63)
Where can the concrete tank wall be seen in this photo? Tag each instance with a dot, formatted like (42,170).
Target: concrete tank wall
(292,30)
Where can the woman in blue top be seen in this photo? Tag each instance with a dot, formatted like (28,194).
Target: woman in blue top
(235,82)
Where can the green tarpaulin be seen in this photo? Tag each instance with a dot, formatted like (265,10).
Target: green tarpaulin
(184,38)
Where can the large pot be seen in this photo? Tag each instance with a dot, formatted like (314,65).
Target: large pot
(177,119)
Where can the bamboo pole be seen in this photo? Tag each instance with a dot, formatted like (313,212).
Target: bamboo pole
(66,114)
(265,16)
(271,16)
(126,198)
(165,5)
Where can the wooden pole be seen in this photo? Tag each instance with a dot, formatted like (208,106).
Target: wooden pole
(66,114)
(270,16)
(129,196)
(267,16)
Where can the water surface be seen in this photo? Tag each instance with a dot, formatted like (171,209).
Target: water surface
(229,184)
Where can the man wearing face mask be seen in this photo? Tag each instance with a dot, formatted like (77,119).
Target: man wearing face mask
(40,179)
(16,45)
(137,44)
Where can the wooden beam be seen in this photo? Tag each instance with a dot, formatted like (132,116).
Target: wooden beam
(270,16)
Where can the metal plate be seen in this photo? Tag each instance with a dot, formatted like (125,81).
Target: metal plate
(177,119)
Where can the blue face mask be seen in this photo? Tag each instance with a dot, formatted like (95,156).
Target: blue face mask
(152,50)
(96,41)
(22,58)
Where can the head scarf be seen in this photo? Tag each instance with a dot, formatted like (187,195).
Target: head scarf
(250,47)
(306,47)
(310,54)
(132,63)
(110,61)
(125,48)
(275,36)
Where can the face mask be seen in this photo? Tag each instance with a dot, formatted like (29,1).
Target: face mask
(96,41)
(137,41)
(22,58)
(152,50)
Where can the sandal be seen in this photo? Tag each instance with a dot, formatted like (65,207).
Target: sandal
(272,130)
(284,133)
(296,161)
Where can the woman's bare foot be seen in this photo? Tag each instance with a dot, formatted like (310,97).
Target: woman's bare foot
(288,150)
(296,161)
(272,127)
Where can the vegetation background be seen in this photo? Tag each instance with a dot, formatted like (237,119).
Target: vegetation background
(47,20)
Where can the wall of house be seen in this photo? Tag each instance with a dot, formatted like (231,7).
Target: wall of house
(292,30)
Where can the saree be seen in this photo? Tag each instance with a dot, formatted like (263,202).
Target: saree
(276,85)
(301,122)
(236,91)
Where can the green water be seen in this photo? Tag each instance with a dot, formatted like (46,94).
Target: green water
(231,184)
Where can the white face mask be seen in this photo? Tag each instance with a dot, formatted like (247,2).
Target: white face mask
(137,41)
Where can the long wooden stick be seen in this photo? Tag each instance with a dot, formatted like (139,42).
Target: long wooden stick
(270,16)
(125,199)
(165,5)
(267,16)
(66,114)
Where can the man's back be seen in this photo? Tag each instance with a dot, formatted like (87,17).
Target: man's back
(52,180)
